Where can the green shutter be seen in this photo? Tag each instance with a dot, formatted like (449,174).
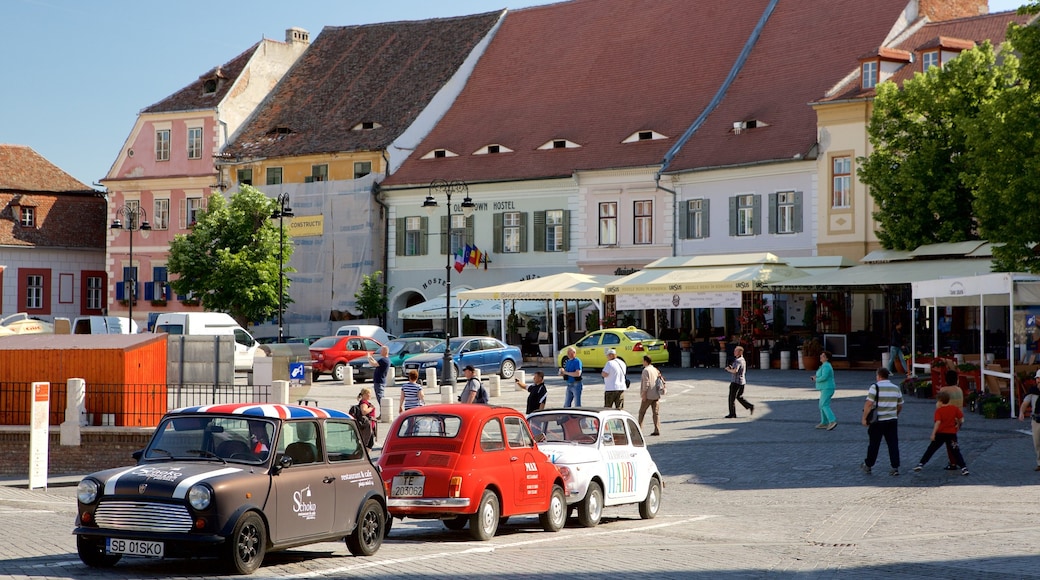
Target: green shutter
(733,216)
(497,237)
(523,231)
(424,236)
(706,212)
(756,214)
(773,210)
(539,231)
(401,239)
(566,230)
(796,220)
(684,220)
(445,236)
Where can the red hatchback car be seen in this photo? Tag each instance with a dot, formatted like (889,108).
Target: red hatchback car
(332,354)
(475,464)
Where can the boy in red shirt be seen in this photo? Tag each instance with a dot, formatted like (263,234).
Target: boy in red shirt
(948,419)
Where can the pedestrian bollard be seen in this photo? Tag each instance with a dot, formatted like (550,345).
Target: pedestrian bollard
(431,377)
(386,410)
(494,386)
(390,376)
(519,376)
(348,376)
(447,394)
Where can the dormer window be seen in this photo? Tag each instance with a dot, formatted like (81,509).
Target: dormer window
(493,148)
(439,154)
(211,80)
(929,59)
(27,217)
(559,144)
(741,126)
(280,131)
(644,136)
(870,74)
(209,86)
(366,126)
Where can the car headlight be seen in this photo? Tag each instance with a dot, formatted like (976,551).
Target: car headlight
(200,496)
(87,491)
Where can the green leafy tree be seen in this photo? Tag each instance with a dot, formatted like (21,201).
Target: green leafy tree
(918,170)
(230,258)
(372,296)
(1007,154)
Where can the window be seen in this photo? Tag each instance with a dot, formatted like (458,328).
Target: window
(95,289)
(192,207)
(696,219)
(870,70)
(608,223)
(929,59)
(342,442)
(554,228)
(786,208)
(319,173)
(458,235)
(161,214)
(245,176)
(362,168)
(643,222)
(158,288)
(745,215)
(195,143)
(162,145)
(510,232)
(34,292)
(517,433)
(132,218)
(842,180)
(412,235)
(491,436)
(274,175)
(27,217)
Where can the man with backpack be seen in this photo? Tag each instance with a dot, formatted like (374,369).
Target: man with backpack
(474,391)
(651,388)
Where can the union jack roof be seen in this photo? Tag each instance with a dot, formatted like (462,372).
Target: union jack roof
(259,410)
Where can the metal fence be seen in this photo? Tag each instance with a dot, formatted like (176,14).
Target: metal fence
(130,405)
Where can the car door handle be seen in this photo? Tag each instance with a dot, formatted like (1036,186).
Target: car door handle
(328,479)
(514,458)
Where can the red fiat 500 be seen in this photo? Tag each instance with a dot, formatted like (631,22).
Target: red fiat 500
(469,464)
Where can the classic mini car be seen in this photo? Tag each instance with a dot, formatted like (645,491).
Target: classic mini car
(630,343)
(489,355)
(399,350)
(603,458)
(235,482)
(332,354)
(475,464)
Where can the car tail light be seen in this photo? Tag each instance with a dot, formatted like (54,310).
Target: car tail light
(455,486)
(638,347)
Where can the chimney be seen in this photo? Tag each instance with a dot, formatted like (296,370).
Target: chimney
(294,34)
(937,10)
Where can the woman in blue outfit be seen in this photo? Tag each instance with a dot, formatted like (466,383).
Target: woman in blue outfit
(824,380)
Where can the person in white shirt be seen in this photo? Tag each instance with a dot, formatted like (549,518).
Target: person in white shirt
(614,381)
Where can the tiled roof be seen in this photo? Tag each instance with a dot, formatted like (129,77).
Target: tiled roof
(22,170)
(380,73)
(194,97)
(961,34)
(596,71)
(61,220)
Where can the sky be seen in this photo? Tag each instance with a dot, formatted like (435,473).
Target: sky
(79,71)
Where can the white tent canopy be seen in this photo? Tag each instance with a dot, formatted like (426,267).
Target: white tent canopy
(433,309)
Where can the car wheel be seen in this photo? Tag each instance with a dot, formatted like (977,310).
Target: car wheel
(508,369)
(314,376)
(563,362)
(484,523)
(247,545)
(368,534)
(92,553)
(590,510)
(456,523)
(649,506)
(339,371)
(556,516)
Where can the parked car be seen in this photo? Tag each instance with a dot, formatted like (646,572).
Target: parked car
(630,343)
(268,340)
(331,354)
(469,464)
(235,482)
(369,330)
(489,355)
(399,350)
(603,458)
(424,334)
(211,324)
(307,340)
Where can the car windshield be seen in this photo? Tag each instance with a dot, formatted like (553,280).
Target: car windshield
(638,335)
(395,346)
(445,426)
(213,437)
(326,342)
(565,427)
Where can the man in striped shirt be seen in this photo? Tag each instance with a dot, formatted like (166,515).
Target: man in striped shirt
(888,399)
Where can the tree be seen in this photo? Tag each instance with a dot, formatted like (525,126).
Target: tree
(230,259)
(918,170)
(372,296)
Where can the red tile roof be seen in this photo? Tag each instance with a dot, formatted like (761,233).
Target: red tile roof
(22,169)
(381,73)
(194,97)
(597,71)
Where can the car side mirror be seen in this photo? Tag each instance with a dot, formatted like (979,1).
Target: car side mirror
(607,438)
(137,455)
(283,461)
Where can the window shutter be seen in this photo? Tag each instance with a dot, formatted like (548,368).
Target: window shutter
(183,203)
(733,216)
(773,209)
(539,231)
(684,221)
(445,236)
(706,212)
(523,231)
(796,219)
(497,238)
(471,239)
(402,248)
(566,230)
(756,214)
(149,290)
(424,237)
(120,294)
(159,274)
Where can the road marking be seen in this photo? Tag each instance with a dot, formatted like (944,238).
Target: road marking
(483,549)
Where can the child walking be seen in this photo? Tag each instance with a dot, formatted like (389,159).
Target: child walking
(948,419)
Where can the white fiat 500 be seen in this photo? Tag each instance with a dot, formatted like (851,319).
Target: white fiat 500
(603,458)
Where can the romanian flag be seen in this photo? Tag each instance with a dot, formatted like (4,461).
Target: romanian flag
(474,256)
(460,262)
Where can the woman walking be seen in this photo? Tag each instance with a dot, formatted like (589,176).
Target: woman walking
(824,380)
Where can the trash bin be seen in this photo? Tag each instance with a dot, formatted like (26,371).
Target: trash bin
(685,358)
(785,360)
(763,359)
(886,358)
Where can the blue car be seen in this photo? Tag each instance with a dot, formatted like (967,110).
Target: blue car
(489,355)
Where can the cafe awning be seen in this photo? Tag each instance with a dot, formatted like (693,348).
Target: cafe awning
(565,285)
(433,309)
(878,275)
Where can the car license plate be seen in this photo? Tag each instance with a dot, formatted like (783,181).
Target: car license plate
(135,547)
(408,485)
(654,347)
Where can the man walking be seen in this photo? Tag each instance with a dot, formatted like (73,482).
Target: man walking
(886,397)
(738,368)
(381,362)
(614,381)
(571,371)
(896,343)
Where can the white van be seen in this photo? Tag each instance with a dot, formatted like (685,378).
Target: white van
(210,324)
(369,330)
(104,325)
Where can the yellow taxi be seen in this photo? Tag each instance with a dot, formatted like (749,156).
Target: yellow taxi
(630,343)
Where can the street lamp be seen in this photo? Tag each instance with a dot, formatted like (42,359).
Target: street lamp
(136,219)
(448,188)
(283,211)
